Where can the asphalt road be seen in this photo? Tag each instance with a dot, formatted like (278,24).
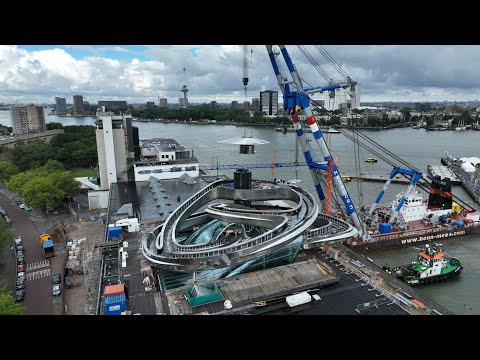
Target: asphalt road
(38,287)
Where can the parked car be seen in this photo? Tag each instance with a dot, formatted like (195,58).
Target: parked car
(20,204)
(19,294)
(68,283)
(56,278)
(20,253)
(3,212)
(20,284)
(20,248)
(20,268)
(20,260)
(56,289)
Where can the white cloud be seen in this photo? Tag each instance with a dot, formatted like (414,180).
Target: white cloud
(398,73)
(113,48)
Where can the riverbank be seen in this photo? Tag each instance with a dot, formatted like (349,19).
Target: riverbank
(274,125)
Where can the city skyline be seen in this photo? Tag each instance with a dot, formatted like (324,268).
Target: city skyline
(138,74)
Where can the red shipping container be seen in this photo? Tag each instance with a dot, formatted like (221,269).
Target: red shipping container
(114,289)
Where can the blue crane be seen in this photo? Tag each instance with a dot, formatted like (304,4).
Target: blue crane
(296,101)
(415,177)
(322,166)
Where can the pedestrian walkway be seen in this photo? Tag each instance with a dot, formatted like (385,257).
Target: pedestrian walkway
(38,274)
(38,265)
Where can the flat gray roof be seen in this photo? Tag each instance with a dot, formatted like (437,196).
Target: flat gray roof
(163,145)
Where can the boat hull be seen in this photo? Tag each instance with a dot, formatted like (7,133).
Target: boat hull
(408,238)
(432,279)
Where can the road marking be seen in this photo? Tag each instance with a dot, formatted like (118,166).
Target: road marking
(38,274)
(38,265)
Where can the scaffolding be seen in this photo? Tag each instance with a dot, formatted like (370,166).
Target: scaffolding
(91,260)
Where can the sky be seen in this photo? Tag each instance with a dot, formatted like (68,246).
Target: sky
(138,73)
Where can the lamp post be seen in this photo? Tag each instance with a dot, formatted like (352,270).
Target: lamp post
(467,309)
(216,156)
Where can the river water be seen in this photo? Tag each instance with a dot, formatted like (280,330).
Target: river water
(418,147)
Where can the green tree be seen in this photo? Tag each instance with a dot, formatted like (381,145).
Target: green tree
(466,117)
(7,170)
(45,186)
(32,155)
(40,192)
(405,113)
(53,165)
(54,125)
(6,236)
(8,306)
(335,120)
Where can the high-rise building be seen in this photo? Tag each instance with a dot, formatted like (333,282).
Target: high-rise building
(115,147)
(27,119)
(234,105)
(163,103)
(269,102)
(86,108)
(3,130)
(60,106)
(256,103)
(113,104)
(78,105)
(184,90)
(180,102)
(150,104)
(213,104)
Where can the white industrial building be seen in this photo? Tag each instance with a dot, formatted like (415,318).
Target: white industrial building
(117,141)
(164,159)
(343,98)
(115,147)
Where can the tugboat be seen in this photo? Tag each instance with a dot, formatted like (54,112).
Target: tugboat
(431,266)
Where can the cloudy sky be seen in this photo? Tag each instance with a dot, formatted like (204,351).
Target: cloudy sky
(143,73)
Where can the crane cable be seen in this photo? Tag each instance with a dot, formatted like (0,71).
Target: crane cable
(315,64)
(332,61)
(422,184)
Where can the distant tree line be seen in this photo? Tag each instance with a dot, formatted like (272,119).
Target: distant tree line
(206,112)
(77,147)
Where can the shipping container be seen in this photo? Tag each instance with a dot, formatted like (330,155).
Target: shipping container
(114,232)
(385,228)
(114,289)
(115,304)
(298,299)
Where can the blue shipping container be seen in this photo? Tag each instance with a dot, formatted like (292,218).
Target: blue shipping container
(47,243)
(385,228)
(114,232)
(115,304)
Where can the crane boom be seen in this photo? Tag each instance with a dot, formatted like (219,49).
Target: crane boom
(296,102)
(245,68)
(415,175)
